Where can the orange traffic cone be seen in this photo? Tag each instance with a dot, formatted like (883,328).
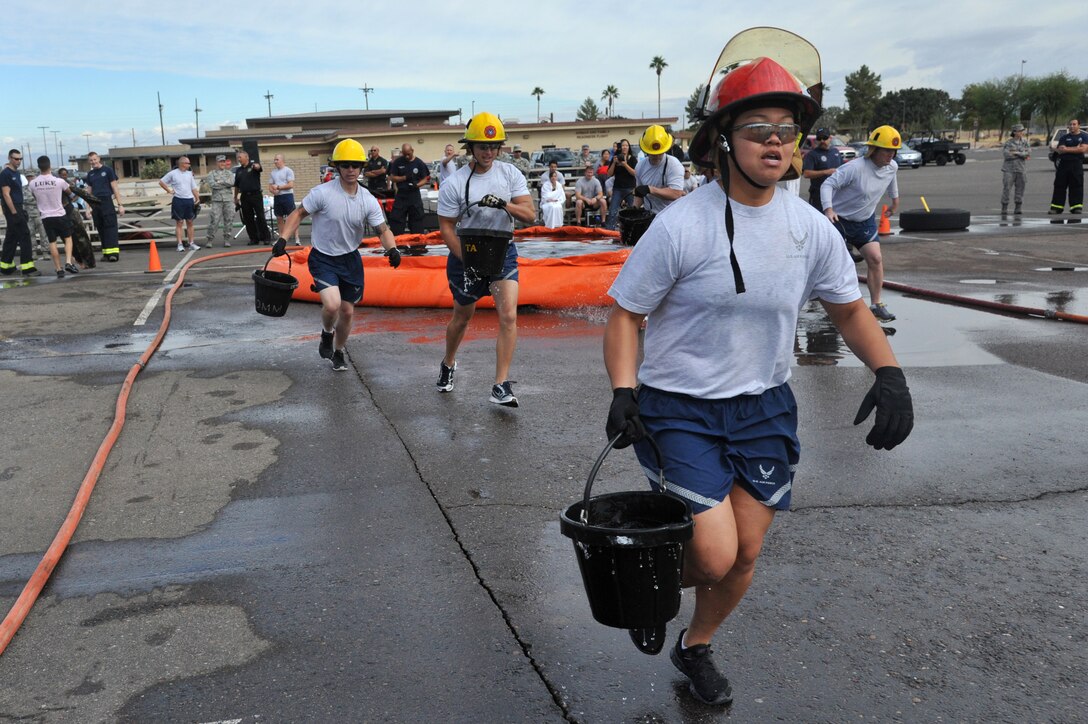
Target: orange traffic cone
(154,266)
(885,227)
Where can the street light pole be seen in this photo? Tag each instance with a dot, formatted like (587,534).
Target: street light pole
(88,137)
(197,109)
(45,143)
(367,90)
(268,96)
(56,146)
(162,128)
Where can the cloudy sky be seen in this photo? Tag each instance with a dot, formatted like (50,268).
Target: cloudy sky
(94,68)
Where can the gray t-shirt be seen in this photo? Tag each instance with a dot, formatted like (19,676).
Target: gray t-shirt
(702,338)
(669,174)
(281,176)
(182,182)
(588,187)
(855,189)
(503,180)
(340,219)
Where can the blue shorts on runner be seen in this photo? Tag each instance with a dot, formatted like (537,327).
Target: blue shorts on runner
(283,205)
(709,445)
(344,271)
(858,233)
(479,288)
(182,209)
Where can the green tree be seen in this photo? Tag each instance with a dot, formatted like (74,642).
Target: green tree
(657,65)
(692,106)
(1082,105)
(830,118)
(862,94)
(609,96)
(156,168)
(992,103)
(588,111)
(913,109)
(1053,96)
(538,91)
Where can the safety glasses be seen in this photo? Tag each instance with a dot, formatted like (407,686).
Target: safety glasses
(487,146)
(349,164)
(761,132)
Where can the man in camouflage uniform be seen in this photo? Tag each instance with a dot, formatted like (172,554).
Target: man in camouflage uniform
(1016,150)
(221,184)
(34,219)
(518,160)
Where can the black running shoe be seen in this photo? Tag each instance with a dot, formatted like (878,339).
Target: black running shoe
(648,640)
(113,257)
(338,362)
(325,347)
(504,395)
(707,683)
(71,268)
(445,377)
(60,273)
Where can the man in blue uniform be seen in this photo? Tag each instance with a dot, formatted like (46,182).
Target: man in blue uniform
(103,183)
(409,174)
(820,163)
(11,198)
(1069,175)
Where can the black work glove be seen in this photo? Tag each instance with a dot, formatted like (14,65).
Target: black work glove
(492,201)
(642,191)
(237,206)
(394,257)
(894,410)
(196,209)
(280,247)
(623,417)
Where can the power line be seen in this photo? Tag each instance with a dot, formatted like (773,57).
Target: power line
(268,96)
(162,127)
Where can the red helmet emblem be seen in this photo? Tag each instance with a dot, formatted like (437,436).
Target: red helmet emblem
(489,131)
(895,141)
(656,145)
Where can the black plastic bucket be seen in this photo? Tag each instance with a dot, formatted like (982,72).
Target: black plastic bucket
(483,251)
(630,549)
(272,290)
(633,224)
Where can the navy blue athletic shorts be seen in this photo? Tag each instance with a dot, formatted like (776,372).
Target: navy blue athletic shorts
(283,205)
(479,288)
(858,233)
(709,445)
(344,271)
(182,209)
(57,227)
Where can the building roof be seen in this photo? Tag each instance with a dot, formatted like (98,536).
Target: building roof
(348,114)
(146,151)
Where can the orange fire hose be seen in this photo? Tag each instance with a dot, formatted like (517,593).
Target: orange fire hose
(21,609)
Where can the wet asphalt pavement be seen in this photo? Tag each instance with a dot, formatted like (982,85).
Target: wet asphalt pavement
(274,541)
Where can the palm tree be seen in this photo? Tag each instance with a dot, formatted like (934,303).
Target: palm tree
(658,64)
(610,94)
(538,91)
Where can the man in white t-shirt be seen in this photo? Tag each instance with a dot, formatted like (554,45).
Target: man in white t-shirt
(588,194)
(49,191)
(659,176)
(476,208)
(184,202)
(447,165)
(282,186)
(341,210)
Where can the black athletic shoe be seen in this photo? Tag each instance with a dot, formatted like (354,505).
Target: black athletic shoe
(71,268)
(325,347)
(338,362)
(60,273)
(648,640)
(113,257)
(445,377)
(504,395)
(707,683)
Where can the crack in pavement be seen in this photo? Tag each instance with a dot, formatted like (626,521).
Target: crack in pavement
(951,504)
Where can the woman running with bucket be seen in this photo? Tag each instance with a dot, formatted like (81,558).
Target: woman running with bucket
(484,196)
(718,344)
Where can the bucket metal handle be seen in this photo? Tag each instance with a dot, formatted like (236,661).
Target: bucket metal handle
(288,255)
(600,459)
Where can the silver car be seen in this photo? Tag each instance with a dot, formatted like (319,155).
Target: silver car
(907,156)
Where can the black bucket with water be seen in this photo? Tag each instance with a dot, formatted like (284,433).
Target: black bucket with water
(273,289)
(483,251)
(633,224)
(630,549)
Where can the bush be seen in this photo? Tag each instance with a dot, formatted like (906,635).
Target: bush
(156,168)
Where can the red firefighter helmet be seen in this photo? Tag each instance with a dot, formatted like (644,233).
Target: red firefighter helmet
(763,82)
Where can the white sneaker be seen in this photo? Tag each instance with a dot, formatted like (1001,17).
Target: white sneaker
(181,247)
(194,247)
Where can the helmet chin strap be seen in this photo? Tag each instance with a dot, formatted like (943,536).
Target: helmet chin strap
(724,152)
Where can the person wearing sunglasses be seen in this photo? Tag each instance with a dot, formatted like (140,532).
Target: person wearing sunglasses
(249,199)
(342,210)
(720,277)
(408,174)
(850,197)
(483,197)
(18,233)
(820,163)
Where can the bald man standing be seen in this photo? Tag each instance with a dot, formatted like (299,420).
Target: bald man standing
(409,174)
(183,189)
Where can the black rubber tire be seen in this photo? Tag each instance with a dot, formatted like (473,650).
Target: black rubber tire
(942,160)
(960,159)
(934,220)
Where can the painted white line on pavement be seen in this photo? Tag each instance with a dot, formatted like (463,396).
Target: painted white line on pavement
(151,303)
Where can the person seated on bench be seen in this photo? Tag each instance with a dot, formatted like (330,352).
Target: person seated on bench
(588,195)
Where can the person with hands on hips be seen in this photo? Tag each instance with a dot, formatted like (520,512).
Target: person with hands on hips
(483,196)
(719,277)
(341,210)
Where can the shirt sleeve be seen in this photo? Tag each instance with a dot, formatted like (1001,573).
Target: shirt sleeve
(649,272)
(314,201)
(834,277)
(168,179)
(674,176)
(374,214)
(450,198)
(808,163)
(518,185)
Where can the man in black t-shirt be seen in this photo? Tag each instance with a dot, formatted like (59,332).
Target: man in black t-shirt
(376,174)
(249,199)
(409,174)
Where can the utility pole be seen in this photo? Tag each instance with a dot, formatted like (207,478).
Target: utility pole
(162,129)
(366,94)
(134,138)
(88,137)
(197,109)
(45,143)
(56,146)
(62,153)
(268,96)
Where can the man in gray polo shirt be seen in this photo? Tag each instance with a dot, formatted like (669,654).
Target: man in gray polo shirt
(588,194)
